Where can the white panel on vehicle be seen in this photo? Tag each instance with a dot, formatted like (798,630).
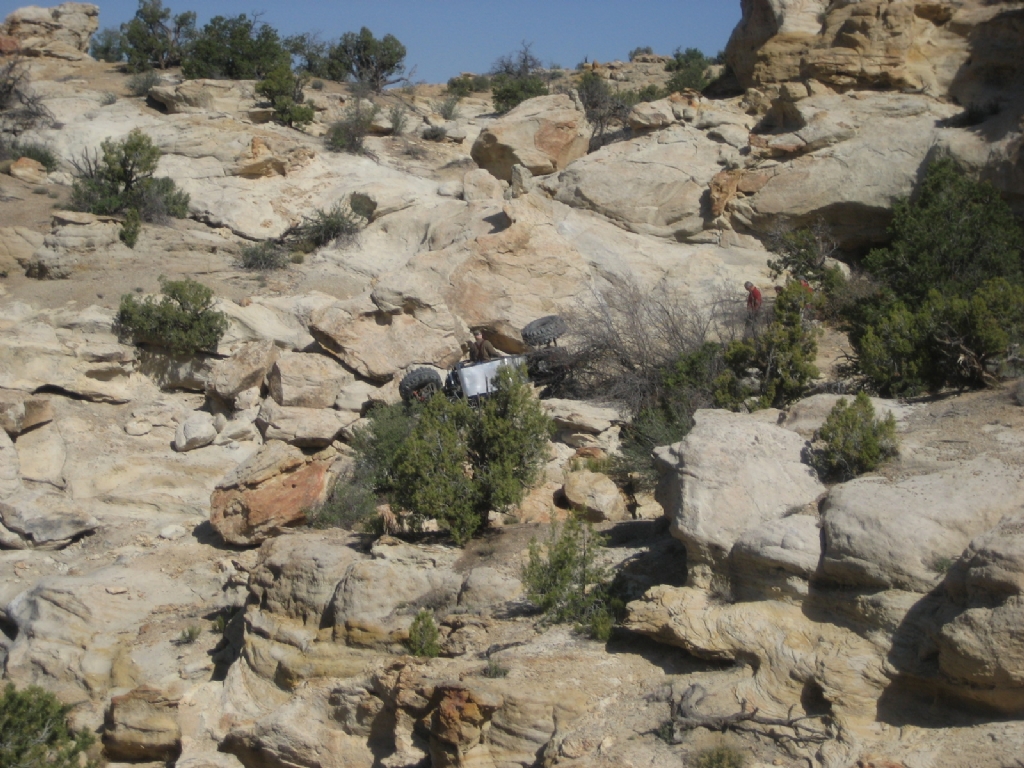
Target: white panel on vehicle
(480,379)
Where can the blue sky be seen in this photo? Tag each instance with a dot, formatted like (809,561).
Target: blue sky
(445,37)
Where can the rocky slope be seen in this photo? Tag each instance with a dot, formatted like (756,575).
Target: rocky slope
(146,500)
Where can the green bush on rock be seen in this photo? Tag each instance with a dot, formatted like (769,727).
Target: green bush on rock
(424,639)
(563,580)
(951,299)
(183,321)
(855,441)
(34,732)
(447,461)
(120,177)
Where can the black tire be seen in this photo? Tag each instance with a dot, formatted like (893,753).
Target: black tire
(419,384)
(544,330)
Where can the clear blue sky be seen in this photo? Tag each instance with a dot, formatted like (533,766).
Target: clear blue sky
(445,37)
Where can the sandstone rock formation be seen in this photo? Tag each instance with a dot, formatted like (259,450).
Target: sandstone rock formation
(889,600)
(61,32)
(730,475)
(271,491)
(544,135)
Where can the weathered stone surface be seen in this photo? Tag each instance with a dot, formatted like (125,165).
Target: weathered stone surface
(10,475)
(296,575)
(486,588)
(776,560)
(42,454)
(596,495)
(543,134)
(17,244)
(308,427)
(651,116)
(882,136)
(654,185)
(47,264)
(142,725)
(374,605)
(865,523)
(245,369)
(34,520)
(270,491)
(981,648)
(875,44)
(480,185)
(27,169)
(307,380)
(792,652)
(732,473)
(206,96)
(19,413)
(577,416)
(61,32)
(377,342)
(197,431)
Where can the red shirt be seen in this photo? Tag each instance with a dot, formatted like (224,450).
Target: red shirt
(754,298)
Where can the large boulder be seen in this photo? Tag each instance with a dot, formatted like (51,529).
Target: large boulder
(61,32)
(777,559)
(307,380)
(865,523)
(544,134)
(33,520)
(142,725)
(732,473)
(379,598)
(846,160)
(206,96)
(296,575)
(306,427)
(377,343)
(245,369)
(982,648)
(270,491)
(595,495)
(653,185)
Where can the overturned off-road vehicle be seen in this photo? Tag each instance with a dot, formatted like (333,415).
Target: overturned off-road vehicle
(544,362)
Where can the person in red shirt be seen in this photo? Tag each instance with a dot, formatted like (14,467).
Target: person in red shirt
(753,297)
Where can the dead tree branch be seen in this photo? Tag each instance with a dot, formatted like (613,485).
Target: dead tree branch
(786,731)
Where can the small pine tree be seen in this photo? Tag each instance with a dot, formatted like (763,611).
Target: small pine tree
(283,89)
(854,440)
(34,732)
(783,352)
(508,441)
(424,639)
(563,579)
(120,177)
(432,470)
(130,228)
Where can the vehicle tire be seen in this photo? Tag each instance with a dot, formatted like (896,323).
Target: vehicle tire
(419,384)
(544,330)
